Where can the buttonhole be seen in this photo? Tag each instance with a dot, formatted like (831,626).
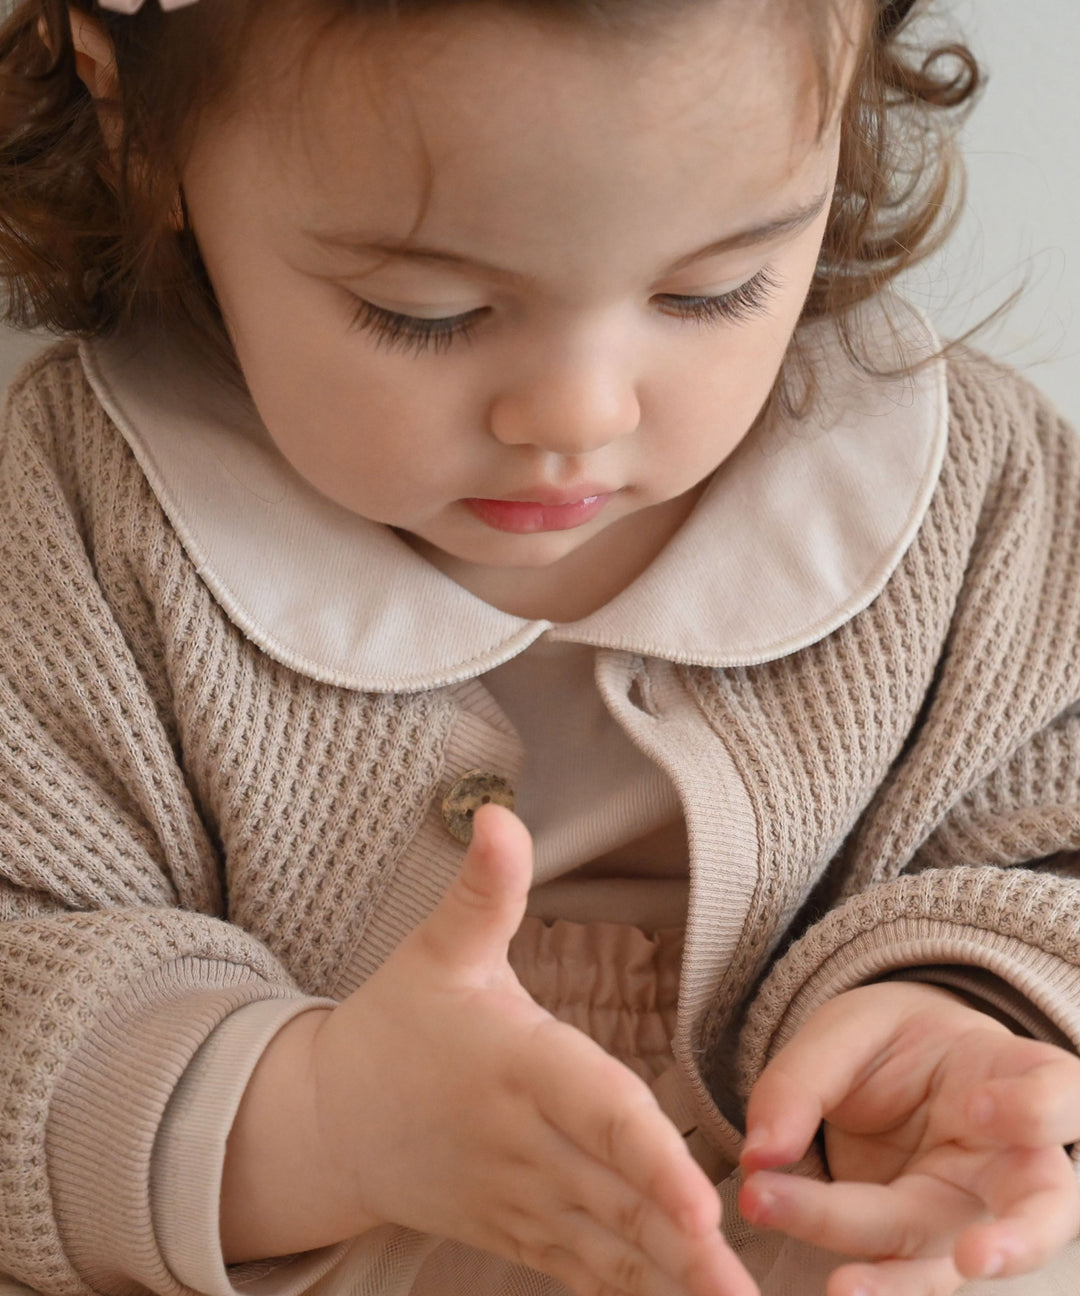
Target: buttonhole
(640,695)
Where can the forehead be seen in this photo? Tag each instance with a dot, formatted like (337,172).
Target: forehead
(483,117)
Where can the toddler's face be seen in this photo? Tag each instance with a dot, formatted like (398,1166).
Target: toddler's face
(517,290)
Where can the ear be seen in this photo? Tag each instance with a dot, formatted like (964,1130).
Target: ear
(95,58)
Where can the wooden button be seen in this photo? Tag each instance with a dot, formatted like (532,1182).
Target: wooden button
(469,793)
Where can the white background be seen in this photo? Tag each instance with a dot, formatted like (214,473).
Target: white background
(1022,221)
(1021,226)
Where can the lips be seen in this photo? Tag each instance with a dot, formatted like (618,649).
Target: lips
(547,513)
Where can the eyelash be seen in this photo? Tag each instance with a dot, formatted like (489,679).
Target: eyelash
(412,333)
(397,332)
(743,303)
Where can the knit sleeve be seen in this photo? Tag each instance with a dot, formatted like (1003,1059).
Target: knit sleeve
(965,867)
(116,962)
(1020,925)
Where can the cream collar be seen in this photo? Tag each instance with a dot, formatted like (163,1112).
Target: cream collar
(798,531)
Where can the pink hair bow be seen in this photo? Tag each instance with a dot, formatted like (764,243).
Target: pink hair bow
(133,6)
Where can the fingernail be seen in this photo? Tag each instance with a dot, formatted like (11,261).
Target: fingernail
(1008,1250)
(764,1199)
(757,1149)
(756,1140)
(763,1206)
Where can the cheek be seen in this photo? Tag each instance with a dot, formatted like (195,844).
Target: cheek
(751,355)
(362,440)
(710,403)
(329,401)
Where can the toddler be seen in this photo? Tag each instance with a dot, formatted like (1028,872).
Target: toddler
(540,706)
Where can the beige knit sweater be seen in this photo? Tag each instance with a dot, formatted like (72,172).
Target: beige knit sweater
(188,826)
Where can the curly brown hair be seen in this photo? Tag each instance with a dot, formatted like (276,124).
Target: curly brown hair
(90,241)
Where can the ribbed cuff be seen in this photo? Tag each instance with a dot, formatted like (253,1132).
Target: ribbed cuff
(1047,984)
(108,1106)
(189,1158)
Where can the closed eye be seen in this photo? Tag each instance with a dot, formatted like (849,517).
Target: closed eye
(748,301)
(399,332)
(416,334)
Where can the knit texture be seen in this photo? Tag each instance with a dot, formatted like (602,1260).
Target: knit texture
(187,826)
(936,730)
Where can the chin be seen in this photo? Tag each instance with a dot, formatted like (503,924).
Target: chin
(532,554)
(498,553)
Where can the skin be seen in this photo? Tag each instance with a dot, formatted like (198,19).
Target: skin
(944,1133)
(583,372)
(591,170)
(524,1138)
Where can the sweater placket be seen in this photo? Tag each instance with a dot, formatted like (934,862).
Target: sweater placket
(648,698)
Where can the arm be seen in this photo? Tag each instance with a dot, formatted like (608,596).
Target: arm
(113,946)
(441,1097)
(962,867)
(966,854)
(416,1100)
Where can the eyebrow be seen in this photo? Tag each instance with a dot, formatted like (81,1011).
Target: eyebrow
(788,223)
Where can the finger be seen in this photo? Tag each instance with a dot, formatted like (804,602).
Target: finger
(808,1078)
(919,1216)
(1036,1201)
(700,1264)
(937,1277)
(1038,1107)
(593,1260)
(782,1118)
(843,1046)
(615,1265)
(606,1111)
(576,1273)
(475,920)
(535,1209)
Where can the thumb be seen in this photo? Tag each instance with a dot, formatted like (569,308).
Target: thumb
(474,922)
(782,1118)
(808,1078)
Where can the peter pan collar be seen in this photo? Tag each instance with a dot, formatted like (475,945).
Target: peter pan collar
(798,531)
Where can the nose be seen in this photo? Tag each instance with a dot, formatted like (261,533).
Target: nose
(568,408)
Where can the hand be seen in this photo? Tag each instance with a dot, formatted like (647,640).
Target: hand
(448,1101)
(944,1137)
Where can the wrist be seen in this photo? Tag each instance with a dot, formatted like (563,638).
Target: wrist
(930,992)
(926,992)
(280,1190)
(892,1002)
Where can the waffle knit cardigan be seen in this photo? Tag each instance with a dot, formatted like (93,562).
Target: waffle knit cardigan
(188,826)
